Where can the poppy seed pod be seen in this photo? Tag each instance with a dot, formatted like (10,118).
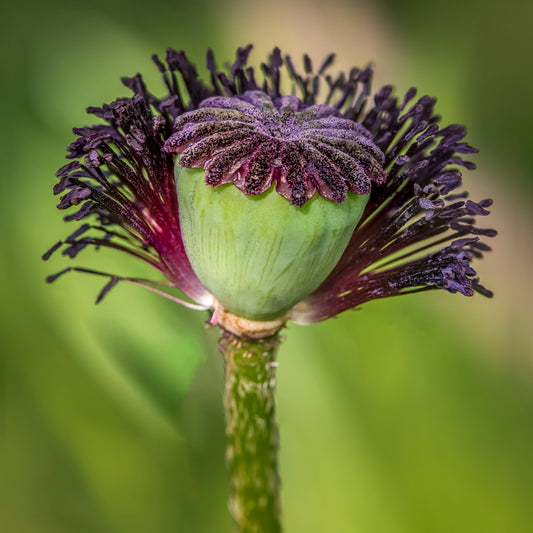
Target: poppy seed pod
(260,255)
(280,190)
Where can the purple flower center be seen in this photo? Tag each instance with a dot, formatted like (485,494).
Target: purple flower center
(254,140)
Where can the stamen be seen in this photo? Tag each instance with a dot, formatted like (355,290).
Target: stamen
(144,283)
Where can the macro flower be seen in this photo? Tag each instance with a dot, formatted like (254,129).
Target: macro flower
(266,197)
(282,195)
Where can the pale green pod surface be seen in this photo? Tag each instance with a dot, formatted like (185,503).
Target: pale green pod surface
(260,255)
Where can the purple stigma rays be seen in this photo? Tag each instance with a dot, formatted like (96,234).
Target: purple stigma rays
(254,140)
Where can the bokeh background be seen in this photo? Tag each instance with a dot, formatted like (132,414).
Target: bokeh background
(410,415)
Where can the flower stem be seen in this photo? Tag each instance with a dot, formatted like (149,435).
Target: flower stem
(252,433)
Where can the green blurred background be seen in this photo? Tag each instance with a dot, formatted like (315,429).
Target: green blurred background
(411,415)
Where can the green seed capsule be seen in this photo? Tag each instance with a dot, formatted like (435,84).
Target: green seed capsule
(260,255)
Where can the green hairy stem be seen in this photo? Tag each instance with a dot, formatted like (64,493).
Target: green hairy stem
(252,433)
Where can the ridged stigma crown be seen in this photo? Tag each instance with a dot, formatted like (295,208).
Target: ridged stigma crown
(254,140)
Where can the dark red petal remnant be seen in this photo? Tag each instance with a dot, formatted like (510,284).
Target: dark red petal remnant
(253,139)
